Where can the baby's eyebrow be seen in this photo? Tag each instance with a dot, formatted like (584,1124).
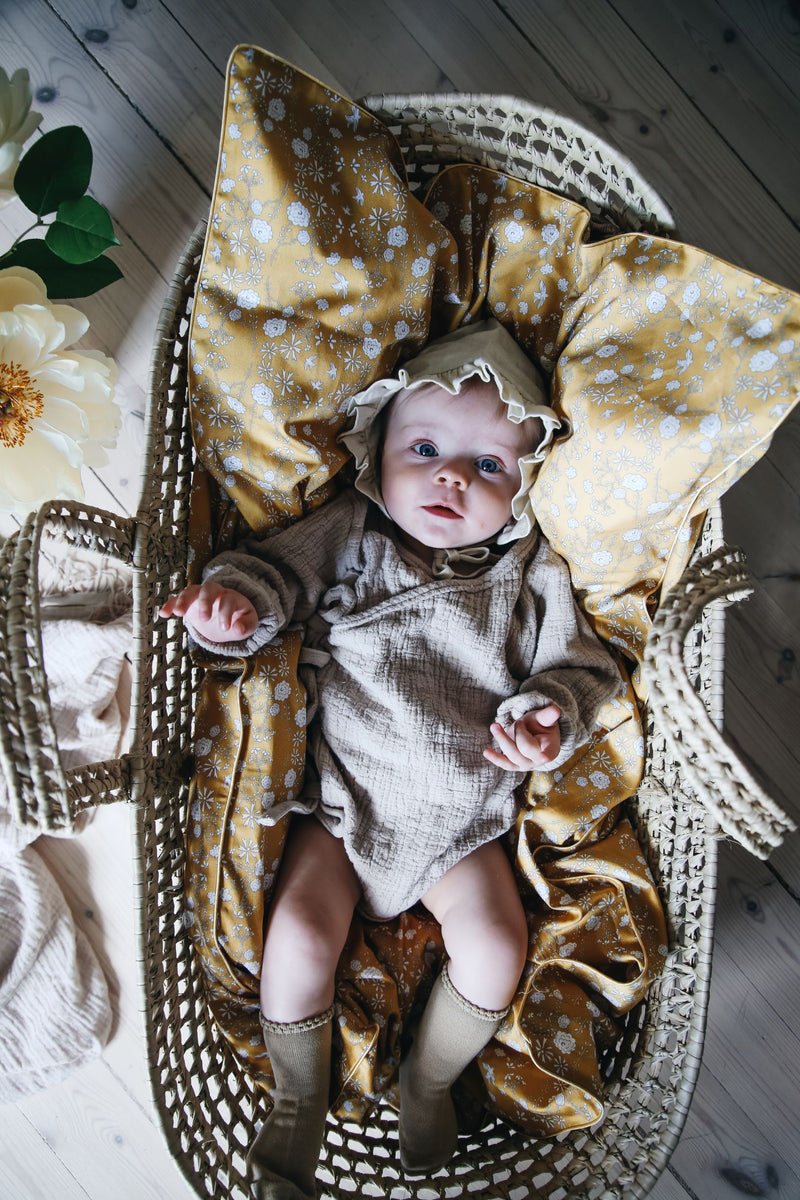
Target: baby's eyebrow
(410,429)
(510,450)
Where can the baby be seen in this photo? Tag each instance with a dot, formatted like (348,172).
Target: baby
(436,621)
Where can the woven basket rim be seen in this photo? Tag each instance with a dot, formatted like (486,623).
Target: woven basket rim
(521,111)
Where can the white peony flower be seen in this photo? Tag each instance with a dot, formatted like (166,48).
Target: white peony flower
(57,411)
(17,123)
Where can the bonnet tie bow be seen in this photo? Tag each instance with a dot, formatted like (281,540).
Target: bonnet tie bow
(475,555)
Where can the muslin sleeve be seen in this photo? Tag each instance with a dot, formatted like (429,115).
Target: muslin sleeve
(568,664)
(285,574)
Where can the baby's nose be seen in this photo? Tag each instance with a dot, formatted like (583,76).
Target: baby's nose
(453,471)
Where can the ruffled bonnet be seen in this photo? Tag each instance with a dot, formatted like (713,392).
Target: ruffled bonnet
(485,349)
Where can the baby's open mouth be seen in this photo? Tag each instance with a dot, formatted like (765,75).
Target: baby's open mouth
(442,510)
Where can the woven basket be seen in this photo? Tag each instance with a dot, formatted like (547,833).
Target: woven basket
(207,1106)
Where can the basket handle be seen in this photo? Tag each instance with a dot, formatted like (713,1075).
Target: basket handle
(43,794)
(711,768)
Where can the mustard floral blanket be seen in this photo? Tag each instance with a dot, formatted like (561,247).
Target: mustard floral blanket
(322,271)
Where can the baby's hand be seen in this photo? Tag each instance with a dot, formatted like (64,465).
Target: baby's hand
(218,614)
(531,742)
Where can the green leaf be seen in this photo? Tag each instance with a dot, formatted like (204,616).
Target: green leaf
(64,281)
(81,231)
(56,168)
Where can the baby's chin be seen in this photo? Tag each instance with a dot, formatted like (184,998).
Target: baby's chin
(444,543)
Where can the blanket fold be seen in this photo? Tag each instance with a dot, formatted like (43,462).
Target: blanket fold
(55,1012)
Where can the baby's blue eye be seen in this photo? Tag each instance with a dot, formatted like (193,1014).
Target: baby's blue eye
(489,465)
(426,449)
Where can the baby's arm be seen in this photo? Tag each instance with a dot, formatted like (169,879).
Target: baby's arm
(571,676)
(249,595)
(533,741)
(219,614)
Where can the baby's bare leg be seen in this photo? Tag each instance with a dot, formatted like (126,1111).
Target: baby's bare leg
(308,923)
(486,936)
(306,930)
(483,925)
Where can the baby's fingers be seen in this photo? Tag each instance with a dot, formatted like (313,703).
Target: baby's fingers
(241,619)
(179,605)
(509,756)
(207,603)
(547,717)
(531,745)
(500,760)
(540,748)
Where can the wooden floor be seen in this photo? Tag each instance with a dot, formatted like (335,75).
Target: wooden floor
(704,96)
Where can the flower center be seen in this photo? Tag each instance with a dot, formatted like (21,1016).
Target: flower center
(20,402)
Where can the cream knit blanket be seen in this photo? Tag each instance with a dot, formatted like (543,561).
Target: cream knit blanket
(55,1013)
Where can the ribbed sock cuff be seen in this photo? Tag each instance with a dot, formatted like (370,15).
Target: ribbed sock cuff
(291,1027)
(483,1014)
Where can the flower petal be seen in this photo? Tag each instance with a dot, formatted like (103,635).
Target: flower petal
(80,417)
(35,472)
(73,322)
(64,416)
(60,324)
(19,285)
(59,440)
(28,126)
(9,157)
(15,103)
(20,342)
(6,103)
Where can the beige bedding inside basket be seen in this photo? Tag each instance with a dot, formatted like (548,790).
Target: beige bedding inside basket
(320,272)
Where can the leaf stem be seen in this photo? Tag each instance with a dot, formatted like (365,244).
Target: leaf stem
(39,222)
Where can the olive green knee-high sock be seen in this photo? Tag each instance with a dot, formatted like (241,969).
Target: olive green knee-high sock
(283,1158)
(452,1031)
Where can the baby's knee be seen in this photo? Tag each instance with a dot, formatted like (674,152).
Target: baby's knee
(505,942)
(309,933)
(487,961)
(493,941)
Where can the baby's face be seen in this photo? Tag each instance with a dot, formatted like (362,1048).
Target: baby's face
(449,466)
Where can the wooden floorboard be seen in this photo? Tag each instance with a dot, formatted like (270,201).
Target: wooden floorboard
(723,1156)
(773,29)
(720,66)
(704,97)
(618,81)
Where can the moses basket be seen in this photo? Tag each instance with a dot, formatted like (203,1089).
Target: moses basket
(694,787)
